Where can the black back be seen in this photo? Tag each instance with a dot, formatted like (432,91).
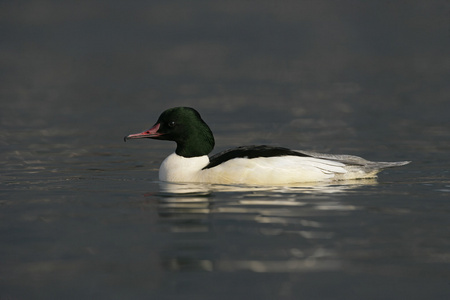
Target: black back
(251,152)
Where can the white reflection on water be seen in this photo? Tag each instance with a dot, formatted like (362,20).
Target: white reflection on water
(199,189)
(309,264)
(292,265)
(264,204)
(253,228)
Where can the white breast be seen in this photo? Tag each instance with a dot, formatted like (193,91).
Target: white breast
(176,168)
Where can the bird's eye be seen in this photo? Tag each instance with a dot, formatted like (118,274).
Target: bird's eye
(172,124)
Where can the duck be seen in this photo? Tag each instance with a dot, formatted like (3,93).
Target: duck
(245,165)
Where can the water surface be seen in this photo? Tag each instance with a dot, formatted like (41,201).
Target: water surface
(83,215)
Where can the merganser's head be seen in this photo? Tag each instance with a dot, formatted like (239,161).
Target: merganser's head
(184,126)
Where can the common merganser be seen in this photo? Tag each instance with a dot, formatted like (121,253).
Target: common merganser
(254,165)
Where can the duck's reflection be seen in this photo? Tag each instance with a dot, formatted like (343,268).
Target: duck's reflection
(258,229)
(178,199)
(200,189)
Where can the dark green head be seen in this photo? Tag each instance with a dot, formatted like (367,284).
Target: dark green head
(185,126)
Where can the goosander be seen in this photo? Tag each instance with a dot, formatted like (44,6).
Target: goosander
(263,165)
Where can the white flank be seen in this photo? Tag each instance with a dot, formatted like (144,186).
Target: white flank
(263,170)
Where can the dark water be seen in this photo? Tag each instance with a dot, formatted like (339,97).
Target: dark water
(82,215)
